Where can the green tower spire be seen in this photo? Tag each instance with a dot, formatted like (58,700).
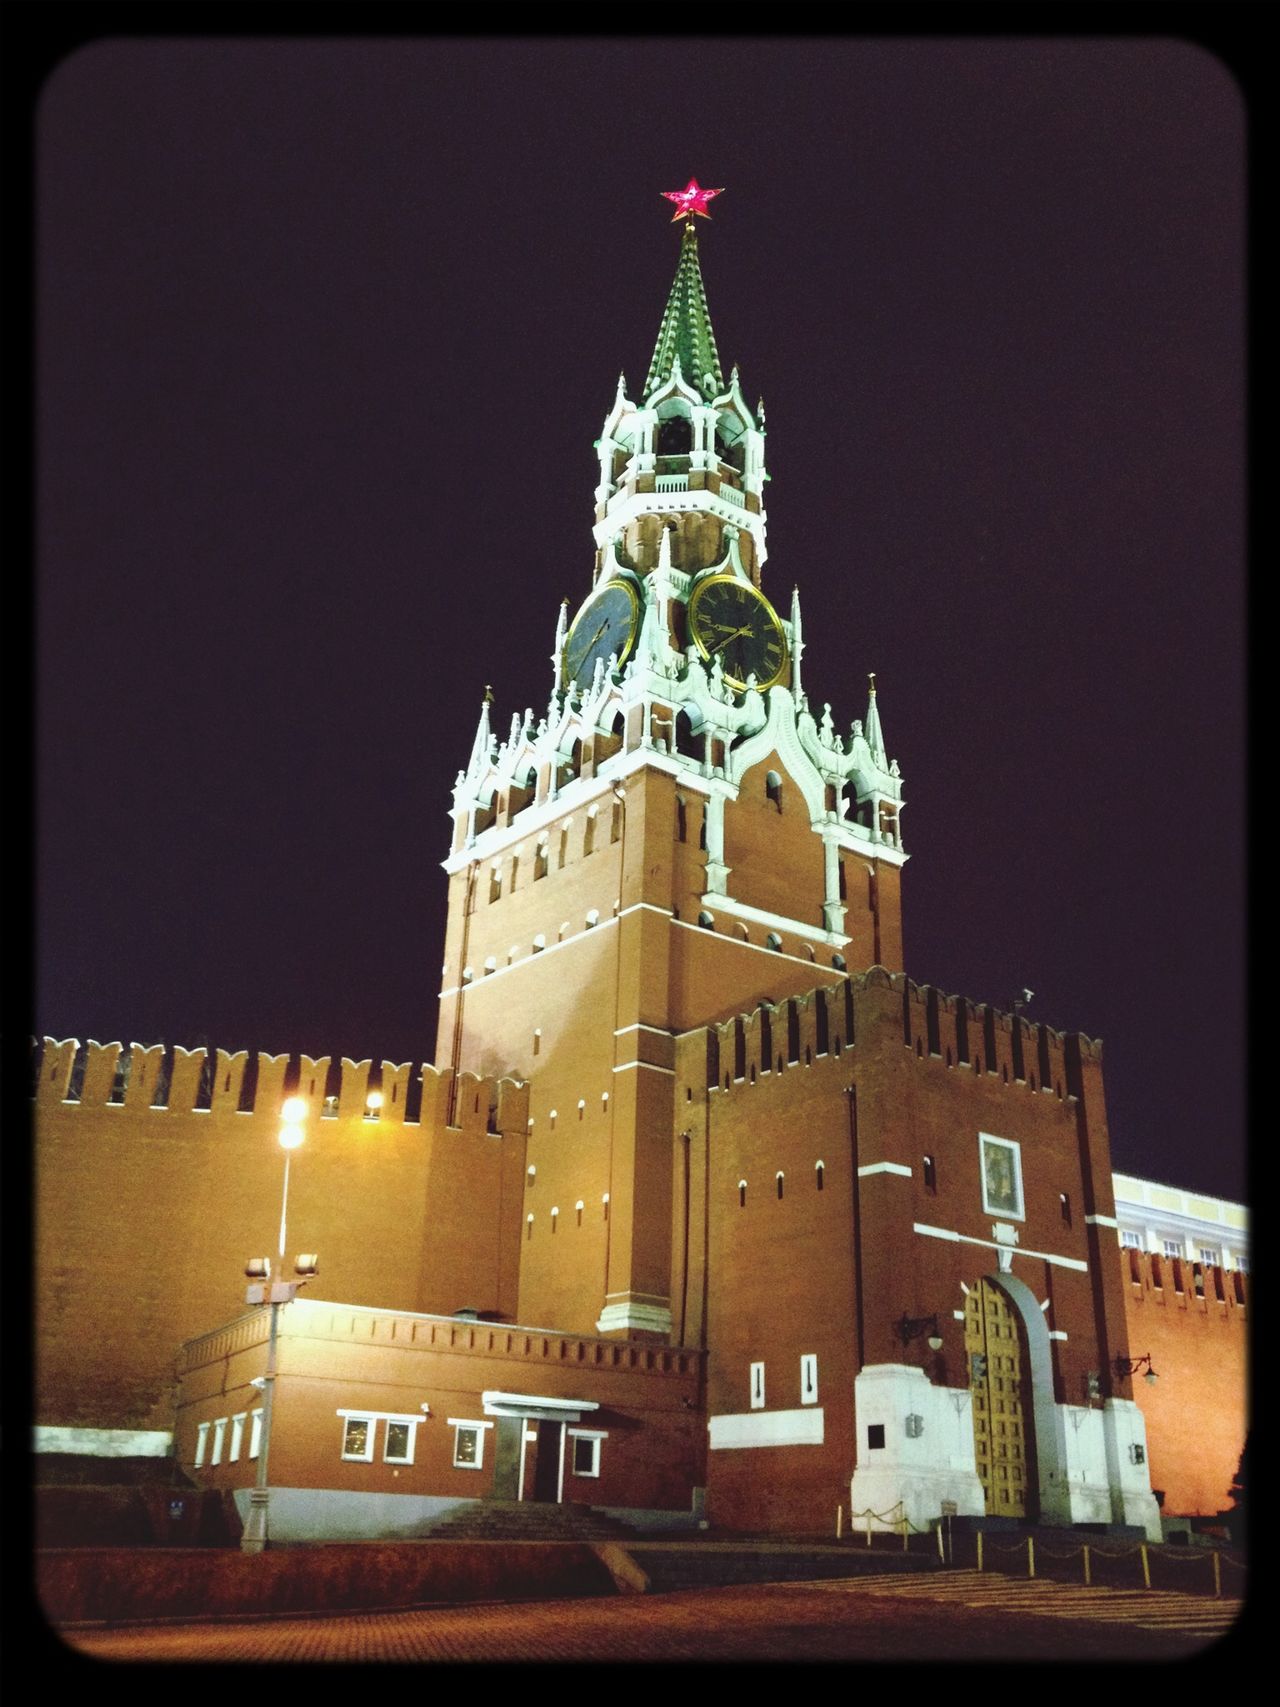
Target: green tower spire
(685,334)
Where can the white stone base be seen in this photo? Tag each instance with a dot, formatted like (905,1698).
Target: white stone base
(622,1318)
(911,1475)
(105,1442)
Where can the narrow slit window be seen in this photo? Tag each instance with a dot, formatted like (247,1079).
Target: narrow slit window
(757,1386)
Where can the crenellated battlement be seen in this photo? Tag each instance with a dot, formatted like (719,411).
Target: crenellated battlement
(1179,1282)
(168,1080)
(951,1030)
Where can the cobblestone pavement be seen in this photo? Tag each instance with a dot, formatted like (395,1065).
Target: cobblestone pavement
(791,1622)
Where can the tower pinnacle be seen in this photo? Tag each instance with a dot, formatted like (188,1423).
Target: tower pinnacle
(686,327)
(875,739)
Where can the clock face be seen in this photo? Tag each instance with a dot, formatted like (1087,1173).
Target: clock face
(605,626)
(729,620)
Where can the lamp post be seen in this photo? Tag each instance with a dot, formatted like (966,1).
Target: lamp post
(272,1289)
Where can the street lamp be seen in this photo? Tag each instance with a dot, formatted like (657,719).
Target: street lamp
(264,1288)
(1131,1366)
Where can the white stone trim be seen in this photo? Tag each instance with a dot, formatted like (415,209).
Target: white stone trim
(755,947)
(104,1442)
(651,1065)
(990,1245)
(745,1429)
(1101,1221)
(639,1025)
(775,921)
(625,507)
(471,985)
(650,1318)
(884,1168)
(1057,1333)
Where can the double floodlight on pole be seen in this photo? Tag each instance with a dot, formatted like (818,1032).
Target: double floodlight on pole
(271,1288)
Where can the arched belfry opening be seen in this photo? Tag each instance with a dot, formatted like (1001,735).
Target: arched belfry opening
(674,437)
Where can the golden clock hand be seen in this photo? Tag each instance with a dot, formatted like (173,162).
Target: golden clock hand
(728,637)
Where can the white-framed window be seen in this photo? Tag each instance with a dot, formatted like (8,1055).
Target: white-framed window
(584,1446)
(468,1443)
(1242,1263)
(757,1386)
(219,1435)
(202,1443)
(237,1436)
(399,1440)
(255,1432)
(1001,1170)
(1130,1240)
(809,1379)
(1173,1248)
(357,1437)
(1209,1257)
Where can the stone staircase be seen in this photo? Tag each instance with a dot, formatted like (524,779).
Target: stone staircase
(528,1520)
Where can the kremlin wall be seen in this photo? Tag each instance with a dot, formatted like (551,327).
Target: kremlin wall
(158,1175)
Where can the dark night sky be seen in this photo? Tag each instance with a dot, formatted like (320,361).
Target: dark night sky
(325,332)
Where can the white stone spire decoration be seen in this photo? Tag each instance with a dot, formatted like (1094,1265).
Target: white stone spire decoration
(482,746)
(797,646)
(875,739)
(557,656)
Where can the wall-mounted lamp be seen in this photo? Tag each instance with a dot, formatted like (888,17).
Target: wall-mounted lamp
(1131,1366)
(910,1328)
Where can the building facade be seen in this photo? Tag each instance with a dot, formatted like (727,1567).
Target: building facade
(857,1238)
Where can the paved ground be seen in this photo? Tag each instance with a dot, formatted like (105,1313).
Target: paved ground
(952,1616)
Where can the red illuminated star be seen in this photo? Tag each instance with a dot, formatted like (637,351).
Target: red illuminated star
(690,200)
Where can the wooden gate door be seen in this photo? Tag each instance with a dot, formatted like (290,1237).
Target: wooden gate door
(1002,1417)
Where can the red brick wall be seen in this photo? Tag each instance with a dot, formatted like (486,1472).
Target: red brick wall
(1196,1412)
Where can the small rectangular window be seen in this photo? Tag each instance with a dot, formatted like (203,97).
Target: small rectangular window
(1130,1240)
(586,1454)
(202,1443)
(757,1386)
(1173,1247)
(875,1436)
(397,1447)
(809,1379)
(468,1446)
(255,1433)
(219,1435)
(1209,1257)
(237,1437)
(357,1439)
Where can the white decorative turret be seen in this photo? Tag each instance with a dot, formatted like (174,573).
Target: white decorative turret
(482,746)
(875,740)
(557,656)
